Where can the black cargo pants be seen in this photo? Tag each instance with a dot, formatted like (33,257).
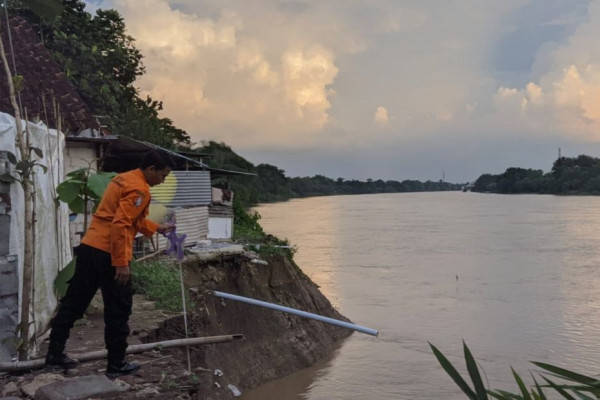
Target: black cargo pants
(94,270)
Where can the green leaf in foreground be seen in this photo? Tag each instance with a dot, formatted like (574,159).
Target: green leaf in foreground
(568,375)
(67,191)
(97,183)
(474,374)
(522,386)
(559,389)
(450,370)
(583,396)
(11,157)
(38,152)
(540,392)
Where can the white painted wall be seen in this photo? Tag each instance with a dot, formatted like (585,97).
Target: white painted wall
(220,228)
(78,155)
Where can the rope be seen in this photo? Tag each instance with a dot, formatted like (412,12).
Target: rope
(176,249)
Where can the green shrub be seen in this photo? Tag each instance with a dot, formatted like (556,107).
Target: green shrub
(159,281)
(246,227)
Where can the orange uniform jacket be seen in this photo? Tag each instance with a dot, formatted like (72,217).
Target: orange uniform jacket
(120,215)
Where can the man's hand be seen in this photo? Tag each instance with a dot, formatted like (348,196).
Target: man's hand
(122,275)
(165,228)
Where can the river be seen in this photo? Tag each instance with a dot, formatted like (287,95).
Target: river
(516,276)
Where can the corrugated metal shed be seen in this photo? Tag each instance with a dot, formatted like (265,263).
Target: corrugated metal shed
(184,189)
(192,221)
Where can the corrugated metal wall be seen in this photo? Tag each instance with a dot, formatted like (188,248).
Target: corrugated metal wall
(193,221)
(189,193)
(220,211)
(184,189)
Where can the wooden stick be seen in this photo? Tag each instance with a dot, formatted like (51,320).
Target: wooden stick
(147,256)
(137,348)
(185,323)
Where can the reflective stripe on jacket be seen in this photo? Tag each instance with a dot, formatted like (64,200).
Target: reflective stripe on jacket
(120,215)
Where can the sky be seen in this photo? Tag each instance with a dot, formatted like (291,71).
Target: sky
(413,89)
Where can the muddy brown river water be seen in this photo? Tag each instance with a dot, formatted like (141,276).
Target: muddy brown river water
(516,276)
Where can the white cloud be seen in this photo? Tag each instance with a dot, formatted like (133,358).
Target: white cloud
(381,117)
(220,77)
(566,97)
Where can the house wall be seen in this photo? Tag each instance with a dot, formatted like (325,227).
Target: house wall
(220,221)
(220,228)
(79,155)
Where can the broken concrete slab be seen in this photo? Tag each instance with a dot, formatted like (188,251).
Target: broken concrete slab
(40,380)
(78,388)
(10,388)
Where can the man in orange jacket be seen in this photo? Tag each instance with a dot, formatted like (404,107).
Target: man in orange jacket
(103,262)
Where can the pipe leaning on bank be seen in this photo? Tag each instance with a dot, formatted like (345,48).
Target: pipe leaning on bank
(294,311)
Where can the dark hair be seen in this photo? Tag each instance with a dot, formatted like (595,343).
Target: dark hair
(158,160)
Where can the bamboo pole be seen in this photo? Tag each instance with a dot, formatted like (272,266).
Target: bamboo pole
(133,349)
(147,256)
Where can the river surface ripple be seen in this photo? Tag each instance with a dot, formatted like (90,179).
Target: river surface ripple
(516,276)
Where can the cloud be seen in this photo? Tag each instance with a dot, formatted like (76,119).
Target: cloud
(294,76)
(381,116)
(283,75)
(220,78)
(566,97)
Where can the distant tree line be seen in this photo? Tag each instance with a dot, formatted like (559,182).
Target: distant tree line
(271,183)
(577,175)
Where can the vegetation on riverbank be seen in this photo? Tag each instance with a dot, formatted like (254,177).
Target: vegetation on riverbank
(247,230)
(576,175)
(271,183)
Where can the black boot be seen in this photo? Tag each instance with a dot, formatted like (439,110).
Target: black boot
(60,360)
(114,370)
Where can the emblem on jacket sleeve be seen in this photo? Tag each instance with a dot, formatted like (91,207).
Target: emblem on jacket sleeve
(139,200)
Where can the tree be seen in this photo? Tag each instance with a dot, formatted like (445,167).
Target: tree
(101,60)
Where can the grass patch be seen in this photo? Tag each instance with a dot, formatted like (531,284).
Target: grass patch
(246,227)
(159,281)
(247,230)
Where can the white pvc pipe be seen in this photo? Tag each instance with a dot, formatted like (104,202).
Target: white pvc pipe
(294,311)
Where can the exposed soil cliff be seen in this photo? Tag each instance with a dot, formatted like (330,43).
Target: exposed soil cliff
(276,343)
